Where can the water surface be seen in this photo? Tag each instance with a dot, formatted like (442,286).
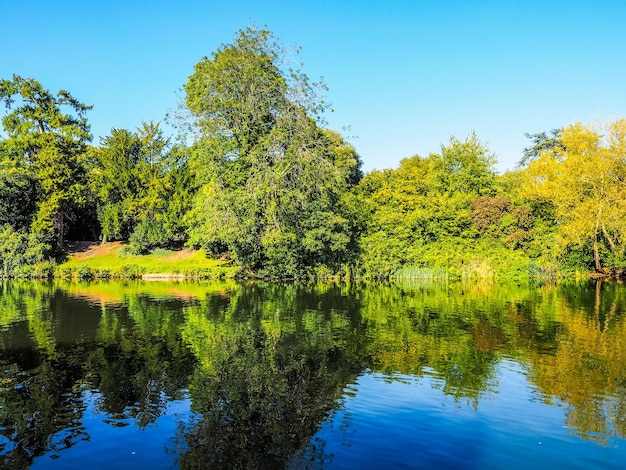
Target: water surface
(228,375)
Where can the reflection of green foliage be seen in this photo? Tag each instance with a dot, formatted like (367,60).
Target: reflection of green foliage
(271,371)
(10,311)
(24,302)
(434,328)
(39,403)
(264,364)
(142,363)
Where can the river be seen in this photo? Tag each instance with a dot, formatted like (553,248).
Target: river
(287,375)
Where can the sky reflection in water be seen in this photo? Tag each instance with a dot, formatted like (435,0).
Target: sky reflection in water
(306,376)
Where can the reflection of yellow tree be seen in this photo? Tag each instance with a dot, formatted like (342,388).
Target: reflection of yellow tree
(587,370)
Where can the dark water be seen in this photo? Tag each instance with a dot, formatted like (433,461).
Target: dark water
(226,375)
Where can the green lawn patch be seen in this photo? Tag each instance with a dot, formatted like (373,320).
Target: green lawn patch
(114,260)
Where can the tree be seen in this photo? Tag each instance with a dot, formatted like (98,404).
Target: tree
(465,167)
(541,142)
(48,145)
(270,180)
(421,213)
(585,180)
(114,182)
(17,194)
(140,182)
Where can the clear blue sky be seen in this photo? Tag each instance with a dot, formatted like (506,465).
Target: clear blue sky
(404,75)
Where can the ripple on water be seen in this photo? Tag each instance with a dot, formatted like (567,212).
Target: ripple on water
(407,422)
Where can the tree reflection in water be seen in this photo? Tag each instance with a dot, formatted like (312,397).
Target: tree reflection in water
(264,365)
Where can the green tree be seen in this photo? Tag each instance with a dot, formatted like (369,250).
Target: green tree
(17,194)
(271,182)
(47,139)
(114,182)
(465,167)
(541,142)
(420,215)
(142,187)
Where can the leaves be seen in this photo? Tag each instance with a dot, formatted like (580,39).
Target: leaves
(269,178)
(141,184)
(47,144)
(585,180)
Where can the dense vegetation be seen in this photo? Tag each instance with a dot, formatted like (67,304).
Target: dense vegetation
(256,178)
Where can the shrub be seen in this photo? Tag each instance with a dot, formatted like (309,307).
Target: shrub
(132,271)
(84,272)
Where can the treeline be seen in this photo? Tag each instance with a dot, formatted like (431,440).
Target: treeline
(253,176)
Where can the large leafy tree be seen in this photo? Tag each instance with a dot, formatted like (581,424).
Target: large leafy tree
(44,152)
(465,166)
(584,178)
(141,185)
(271,182)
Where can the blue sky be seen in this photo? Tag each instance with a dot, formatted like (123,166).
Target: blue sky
(403,75)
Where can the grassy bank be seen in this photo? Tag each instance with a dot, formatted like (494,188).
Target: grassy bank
(113,260)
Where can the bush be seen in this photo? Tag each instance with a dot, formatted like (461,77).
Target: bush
(149,234)
(132,271)
(44,270)
(64,272)
(84,272)
(102,274)
(13,246)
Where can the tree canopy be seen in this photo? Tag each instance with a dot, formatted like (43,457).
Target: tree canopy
(258,180)
(45,151)
(270,179)
(585,180)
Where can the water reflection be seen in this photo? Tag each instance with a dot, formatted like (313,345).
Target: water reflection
(256,373)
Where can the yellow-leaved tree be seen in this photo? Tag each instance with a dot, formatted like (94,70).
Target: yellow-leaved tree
(584,177)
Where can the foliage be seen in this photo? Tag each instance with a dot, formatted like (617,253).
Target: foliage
(585,181)
(44,152)
(422,215)
(541,142)
(271,182)
(12,251)
(464,167)
(258,180)
(17,193)
(141,186)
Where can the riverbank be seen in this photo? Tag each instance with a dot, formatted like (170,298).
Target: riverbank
(113,260)
(87,260)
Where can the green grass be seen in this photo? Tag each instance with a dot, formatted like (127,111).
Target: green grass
(118,263)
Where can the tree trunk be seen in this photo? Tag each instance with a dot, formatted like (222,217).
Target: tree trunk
(596,254)
(605,232)
(596,246)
